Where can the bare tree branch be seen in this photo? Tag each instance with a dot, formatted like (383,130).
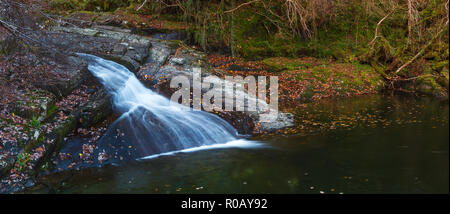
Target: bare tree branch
(142,5)
(372,43)
(241,5)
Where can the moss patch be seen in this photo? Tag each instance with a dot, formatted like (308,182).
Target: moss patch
(428,85)
(283,63)
(339,79)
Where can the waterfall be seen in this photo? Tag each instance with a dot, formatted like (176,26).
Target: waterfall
(150,123)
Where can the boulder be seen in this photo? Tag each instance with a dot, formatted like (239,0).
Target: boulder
(169,59)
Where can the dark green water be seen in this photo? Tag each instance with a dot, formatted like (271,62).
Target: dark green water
(380,144)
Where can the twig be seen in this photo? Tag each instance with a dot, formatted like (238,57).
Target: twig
(142,5)
(241,5)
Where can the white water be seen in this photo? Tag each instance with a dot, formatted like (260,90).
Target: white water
(153,123)
(232,144)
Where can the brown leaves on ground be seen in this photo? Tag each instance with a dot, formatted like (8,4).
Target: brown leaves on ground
(320,78)
(77,97)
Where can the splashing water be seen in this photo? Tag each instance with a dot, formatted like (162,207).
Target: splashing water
(152,123)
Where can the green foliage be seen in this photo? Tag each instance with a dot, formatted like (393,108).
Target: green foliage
(35,122)
(90,5)
(51,110)
(63,4)
(22,160)
(340,30)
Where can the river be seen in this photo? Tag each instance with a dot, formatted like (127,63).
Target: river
(366,144)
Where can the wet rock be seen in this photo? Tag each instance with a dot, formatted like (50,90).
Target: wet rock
(108,42)
(159,55)
(169,59)
(66,77)
(158,59)
(177,61)
(280,120)
(88,114)
(96,109)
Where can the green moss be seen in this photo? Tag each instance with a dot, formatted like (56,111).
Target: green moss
(444,80)
(63,4)
(35,123)
(283,63)
(89,5)
(51,110)
(343,77)
(428,85)
(439,66)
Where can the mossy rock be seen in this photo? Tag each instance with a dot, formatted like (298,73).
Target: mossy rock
(439,66)
(36,105)
(57,136)
(443,80)
(428,85)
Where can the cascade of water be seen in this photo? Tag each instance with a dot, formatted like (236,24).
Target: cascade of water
(152,122)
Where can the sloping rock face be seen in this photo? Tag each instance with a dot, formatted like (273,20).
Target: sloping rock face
(69,76)
(119,45)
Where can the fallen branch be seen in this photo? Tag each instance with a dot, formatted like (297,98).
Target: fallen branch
(397,78)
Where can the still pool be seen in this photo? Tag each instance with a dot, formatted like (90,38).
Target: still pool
(367,144)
